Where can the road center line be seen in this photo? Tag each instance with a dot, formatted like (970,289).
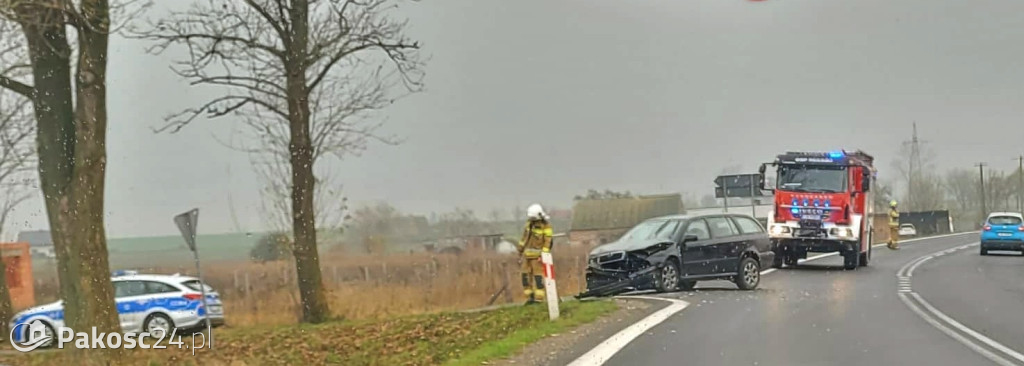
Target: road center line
(944,329)
(930,313)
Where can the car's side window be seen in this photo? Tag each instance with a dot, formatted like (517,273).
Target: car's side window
(721,227)
(159,288)
(669,230)
(699,229)
(129,288)
(748,226)
(120,289)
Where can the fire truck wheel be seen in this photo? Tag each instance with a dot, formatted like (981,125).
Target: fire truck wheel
(865,257)
(851,260)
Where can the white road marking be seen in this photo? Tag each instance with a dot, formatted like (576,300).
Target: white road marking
(971,332)
(935,323)
(910,271)
(604,351)
(930,313)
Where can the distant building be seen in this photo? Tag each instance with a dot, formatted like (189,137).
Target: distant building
(40,243)
(474,243)
(599,221)
(759,211)
(20,283)
(559,214)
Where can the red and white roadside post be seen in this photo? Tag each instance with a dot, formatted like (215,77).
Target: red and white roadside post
(549,284)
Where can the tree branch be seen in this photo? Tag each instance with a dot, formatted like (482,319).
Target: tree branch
(218,107)
(281,32)
(18,87)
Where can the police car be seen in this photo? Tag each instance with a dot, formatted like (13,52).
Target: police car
(145,303)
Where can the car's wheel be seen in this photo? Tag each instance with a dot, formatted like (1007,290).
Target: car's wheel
(749,275)
(155,323)
(668,277)
(851,260)
(687,285)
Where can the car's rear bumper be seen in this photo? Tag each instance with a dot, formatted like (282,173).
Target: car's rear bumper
(187,321)
(1002,244)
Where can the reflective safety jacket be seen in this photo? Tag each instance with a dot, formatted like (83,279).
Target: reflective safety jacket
(894,217)
(536,239)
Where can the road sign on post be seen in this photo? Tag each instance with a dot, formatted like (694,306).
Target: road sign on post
(187,225)
(551,293)
(739,185)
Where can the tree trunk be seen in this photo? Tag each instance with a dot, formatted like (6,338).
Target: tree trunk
(307,261)
(71,151)
(89,171)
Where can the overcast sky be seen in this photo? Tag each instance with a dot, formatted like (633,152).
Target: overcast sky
(540,100)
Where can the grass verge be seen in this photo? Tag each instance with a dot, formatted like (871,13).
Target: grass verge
(455,339)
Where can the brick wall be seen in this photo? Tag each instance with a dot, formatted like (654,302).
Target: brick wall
(18,262)
(595,237)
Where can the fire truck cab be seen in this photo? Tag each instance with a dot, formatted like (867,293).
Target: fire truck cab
(822,203)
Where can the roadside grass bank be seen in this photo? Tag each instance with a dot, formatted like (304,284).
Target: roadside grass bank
(369,286)
(451,338)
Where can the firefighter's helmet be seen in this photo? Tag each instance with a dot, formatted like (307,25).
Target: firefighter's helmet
(536,212)
(892,203)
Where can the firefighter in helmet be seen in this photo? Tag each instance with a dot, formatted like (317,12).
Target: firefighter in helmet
(894,226)
(536,240)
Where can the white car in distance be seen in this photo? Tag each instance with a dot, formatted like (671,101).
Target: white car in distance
(908,230)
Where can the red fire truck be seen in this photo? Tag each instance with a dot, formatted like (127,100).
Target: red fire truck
(822,204)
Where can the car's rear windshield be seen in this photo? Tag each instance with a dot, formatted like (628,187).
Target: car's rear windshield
(1004,220)
(196,285)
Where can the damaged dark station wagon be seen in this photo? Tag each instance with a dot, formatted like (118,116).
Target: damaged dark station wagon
(674,252)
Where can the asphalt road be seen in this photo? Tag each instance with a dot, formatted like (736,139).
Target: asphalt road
(819,314)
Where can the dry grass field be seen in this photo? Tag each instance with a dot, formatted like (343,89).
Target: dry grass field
(368,286)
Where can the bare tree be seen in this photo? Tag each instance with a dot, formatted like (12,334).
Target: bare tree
(882,196)
(961,186)
(928,193)
(306,76)
(999,190)
(329,203)
(593,194)
(71,122)
(16,162)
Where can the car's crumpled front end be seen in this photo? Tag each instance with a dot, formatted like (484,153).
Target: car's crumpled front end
(619,267)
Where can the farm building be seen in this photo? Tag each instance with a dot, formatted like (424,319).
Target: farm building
(599,221)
